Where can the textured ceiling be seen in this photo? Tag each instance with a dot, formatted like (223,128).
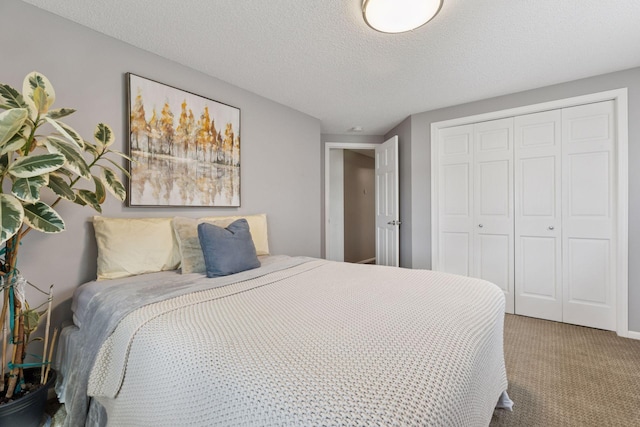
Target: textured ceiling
(319,57)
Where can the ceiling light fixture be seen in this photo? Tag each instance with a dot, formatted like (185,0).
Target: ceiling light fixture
(398,16)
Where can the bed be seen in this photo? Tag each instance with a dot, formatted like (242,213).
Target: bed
(297,341)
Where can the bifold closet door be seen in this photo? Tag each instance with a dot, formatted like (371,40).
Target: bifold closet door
(493,205)
(529,203)
(538,221)
(588,216)
(455,201)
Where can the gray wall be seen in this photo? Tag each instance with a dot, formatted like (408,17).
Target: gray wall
(280,146)
(359,207)
(419,184)
(324,138)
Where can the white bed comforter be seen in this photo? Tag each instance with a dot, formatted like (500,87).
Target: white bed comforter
(320,343)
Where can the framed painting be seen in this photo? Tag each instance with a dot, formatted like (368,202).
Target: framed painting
(185,147)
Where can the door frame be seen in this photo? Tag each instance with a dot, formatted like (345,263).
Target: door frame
(620,99)
(328,146)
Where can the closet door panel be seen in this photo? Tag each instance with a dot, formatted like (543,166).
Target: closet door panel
(455,200)
(538,250)
(539,272)
(455,252)
(456,190)
(493,204)
(493,182)
(589,194)
(494,250)
(589,215)
(587,271)
(538,187)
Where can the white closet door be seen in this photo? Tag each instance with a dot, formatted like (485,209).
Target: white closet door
(455,204)
(493,205)
(588,217)
(538,243)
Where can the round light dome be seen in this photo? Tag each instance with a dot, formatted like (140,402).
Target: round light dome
(398,16)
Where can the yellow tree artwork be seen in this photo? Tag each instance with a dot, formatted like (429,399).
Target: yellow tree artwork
(185,147)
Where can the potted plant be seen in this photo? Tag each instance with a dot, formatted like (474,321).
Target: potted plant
(37,171)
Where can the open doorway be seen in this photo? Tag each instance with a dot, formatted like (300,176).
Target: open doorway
(350,194)
(386,201)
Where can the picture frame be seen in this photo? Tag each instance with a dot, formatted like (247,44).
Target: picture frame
(185,147)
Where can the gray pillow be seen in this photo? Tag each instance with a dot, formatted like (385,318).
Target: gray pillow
(227,250)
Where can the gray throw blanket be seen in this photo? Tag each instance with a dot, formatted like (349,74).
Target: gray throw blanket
(119,297)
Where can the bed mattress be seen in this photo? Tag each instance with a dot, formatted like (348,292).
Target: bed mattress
(296,342)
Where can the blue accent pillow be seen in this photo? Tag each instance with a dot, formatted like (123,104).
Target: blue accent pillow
(227,250)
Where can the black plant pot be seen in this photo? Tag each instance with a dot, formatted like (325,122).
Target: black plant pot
(28,411)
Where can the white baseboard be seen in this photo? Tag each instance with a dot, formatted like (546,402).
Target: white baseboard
(634,335)
(367,261)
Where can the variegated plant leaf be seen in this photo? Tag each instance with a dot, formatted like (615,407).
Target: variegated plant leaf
(124,156)
(122,169)
(4,162)
(11,215)
(11,121)
(79,201)
(33,165)
(61,187)
(11,98)
(101,193)
(28,189)
(89,198)
(113,184)
(66,131)
(75,161)
(91,149)
(39,98)
(31,83)
(14,144)
(67,173)
(42,217)
(104,135)
(33,110)
(59,113)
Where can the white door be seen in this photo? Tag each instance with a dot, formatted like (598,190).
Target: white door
(493,205)
(538,231)
(455,201)
(387,204)
(588,215)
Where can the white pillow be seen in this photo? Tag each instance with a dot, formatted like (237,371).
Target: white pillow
(186,231)
(130,246)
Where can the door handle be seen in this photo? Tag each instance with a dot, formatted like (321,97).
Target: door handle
(551,227)
(480,225)
(394,222)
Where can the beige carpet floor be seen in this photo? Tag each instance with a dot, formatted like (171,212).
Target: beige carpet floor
(566,375)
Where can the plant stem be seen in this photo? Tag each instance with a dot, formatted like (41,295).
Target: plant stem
(18,345)
(11,257)
(27,147)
